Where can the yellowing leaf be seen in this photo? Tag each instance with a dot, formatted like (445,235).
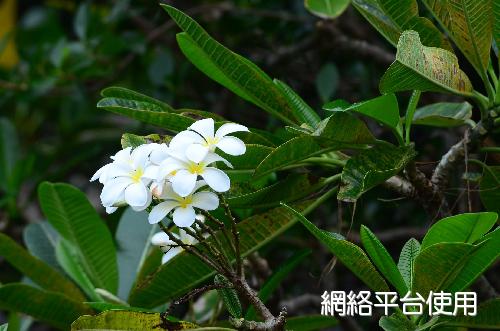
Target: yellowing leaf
(8,51)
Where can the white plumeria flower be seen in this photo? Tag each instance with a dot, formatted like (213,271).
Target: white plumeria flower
(203,139)
(161,239)
(183,207)
(183,172)
(127,179)
(105,172)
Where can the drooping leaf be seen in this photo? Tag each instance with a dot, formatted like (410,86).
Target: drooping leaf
(478,262)
(372,167)
(487,317)
(72,215)
(490,188)
(41,239)
(37,270)
(327,81)
(392,17)
(326,8)
(462,228)
(185,271)
(342,127)
(348,253)
(383,109)
(310,323)
(50,307)
(128,320)
(418,67)
(229,296)
(276,279)
(443,114)
(406,263)
(470,24)
(229,69)
(301,109)
(133,240)
(382,260)
(438,265)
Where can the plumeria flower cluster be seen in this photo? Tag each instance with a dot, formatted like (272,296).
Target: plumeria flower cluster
(177,179)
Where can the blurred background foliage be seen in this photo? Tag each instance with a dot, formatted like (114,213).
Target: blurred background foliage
(57,55)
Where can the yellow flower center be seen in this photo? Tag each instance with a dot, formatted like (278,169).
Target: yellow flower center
(196,168)
(211,141)
(136,175)
(184,202)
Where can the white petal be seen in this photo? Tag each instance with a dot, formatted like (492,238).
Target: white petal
(161,239)
(151,172)
(113,190)
(216,179)
(228,128)
(145,205)
(186,238)
(199,184)
(213,157)
(196,152)
(161,210)
(123,155)
(140,155)
(111,210)
(159,154)
(232,146)
(167,167)
(101,173)
(205,200)
(181,141)
(136,194)
(183,182)
(170,254)
(184,217)
(205,127)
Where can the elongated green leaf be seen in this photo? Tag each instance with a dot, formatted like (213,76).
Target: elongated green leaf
(310,323)
(342,127)
(487,317)
(443,114)
(9,151)
(50,307)
(382,260)
(126,94)
(301,109)
(348,253)
(478,262)
(418,67)
(229,296)
(41,239)
(275,280)
(326,8)
(462,228)
(251,159)
(406,263)
(496,25)
(372,167)
(292,188)
(104,306)
(128,320)
(133,239)
(72,215)
(229,69)
(490,188)
(4,327)
(392,17)
(470,24)
(185,271)
(396,322)
(438,265)
(383,109)
(37,270)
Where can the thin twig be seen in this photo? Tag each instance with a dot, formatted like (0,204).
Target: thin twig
(236,236)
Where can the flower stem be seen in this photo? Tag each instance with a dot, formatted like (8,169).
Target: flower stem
(236,236)
(410,111)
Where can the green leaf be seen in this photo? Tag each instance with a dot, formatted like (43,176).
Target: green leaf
(41,239)
(251,159)
(310,323)
(496,25)
(35,269)
(326,8)
(80,25)
(69,260)
(487,317)
(50,307)
(382,260)
(490,188)
(228,68)
(469,23)
(418,67)
(478,262)
(383,109)
(396,322)
(342,127)
(327,81)
(4,327)
(127,320)
(276,279)
(126,94)
(348,253)
(104,306)
(133,240)
(185,271)
(406,263)
(72,215)
(443,114)
(392,17)
(303,112)
(9,151)
(437,266)
(372,167)
(229,296)
(463,228)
